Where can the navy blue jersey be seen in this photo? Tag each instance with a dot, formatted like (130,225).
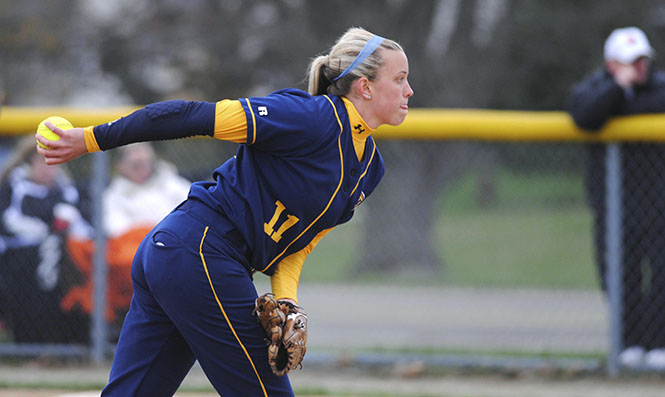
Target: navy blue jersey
(297,175)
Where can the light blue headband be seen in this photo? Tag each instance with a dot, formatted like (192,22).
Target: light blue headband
(367,50)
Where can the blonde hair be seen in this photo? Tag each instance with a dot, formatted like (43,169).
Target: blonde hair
(23,151)
(325,68)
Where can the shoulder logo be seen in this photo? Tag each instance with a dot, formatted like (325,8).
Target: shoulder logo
(359,128)
(263,111)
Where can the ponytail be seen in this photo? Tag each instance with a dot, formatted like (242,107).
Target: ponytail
(318,81)
(334,73)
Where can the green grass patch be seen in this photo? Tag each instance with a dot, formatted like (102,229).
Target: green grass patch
(516,190)
(511,248)
(335,255)
(535,233)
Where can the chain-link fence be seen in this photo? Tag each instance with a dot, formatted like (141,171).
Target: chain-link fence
(503,244)
(54,218)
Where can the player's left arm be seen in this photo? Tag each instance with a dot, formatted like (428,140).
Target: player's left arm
(284,282)
(171,120)
(158,121)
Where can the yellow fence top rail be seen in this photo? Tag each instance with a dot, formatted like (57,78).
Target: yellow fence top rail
(422,124)
(510,125)
(16,120)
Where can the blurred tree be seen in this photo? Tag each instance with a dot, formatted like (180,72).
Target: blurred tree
(29,39)
(546,46)
(451,32)
(503,54)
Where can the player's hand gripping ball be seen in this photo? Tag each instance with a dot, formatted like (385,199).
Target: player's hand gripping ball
(46,132)
(285,326)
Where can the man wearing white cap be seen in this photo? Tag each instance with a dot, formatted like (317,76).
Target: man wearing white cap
(628,85)
(628,56)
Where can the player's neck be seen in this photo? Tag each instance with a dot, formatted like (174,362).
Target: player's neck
(364,110)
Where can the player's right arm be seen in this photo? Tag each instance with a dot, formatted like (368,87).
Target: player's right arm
(284,282)
(159,121)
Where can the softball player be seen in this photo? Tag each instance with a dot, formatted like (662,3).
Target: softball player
(304,163)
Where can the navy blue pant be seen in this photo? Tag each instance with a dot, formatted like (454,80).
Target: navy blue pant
(193,300)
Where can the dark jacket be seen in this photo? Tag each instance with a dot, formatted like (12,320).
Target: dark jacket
(591,104)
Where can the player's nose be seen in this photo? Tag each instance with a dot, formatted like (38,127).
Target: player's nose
(409,91)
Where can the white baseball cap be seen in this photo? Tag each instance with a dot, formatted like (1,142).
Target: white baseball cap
(626,45)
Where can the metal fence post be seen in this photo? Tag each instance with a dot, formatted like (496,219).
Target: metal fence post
(99,327)
(613,233)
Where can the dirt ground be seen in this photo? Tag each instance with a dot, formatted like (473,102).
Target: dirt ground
(400,381)
(484,320)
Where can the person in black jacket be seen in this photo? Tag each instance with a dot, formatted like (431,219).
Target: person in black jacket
(629,85)
(38,208)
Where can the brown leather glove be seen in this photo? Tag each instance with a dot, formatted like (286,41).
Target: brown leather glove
(285,325)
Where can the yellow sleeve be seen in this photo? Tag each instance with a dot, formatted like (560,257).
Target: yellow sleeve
(90,140)
(284,282)
(230,121)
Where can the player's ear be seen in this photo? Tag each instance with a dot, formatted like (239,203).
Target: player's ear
(361,86)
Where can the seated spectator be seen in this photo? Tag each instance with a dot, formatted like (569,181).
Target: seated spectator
(143,190)
(37,212)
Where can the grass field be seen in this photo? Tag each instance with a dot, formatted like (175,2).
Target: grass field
(535,234)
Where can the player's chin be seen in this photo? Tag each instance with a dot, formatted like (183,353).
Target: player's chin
(398,118)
